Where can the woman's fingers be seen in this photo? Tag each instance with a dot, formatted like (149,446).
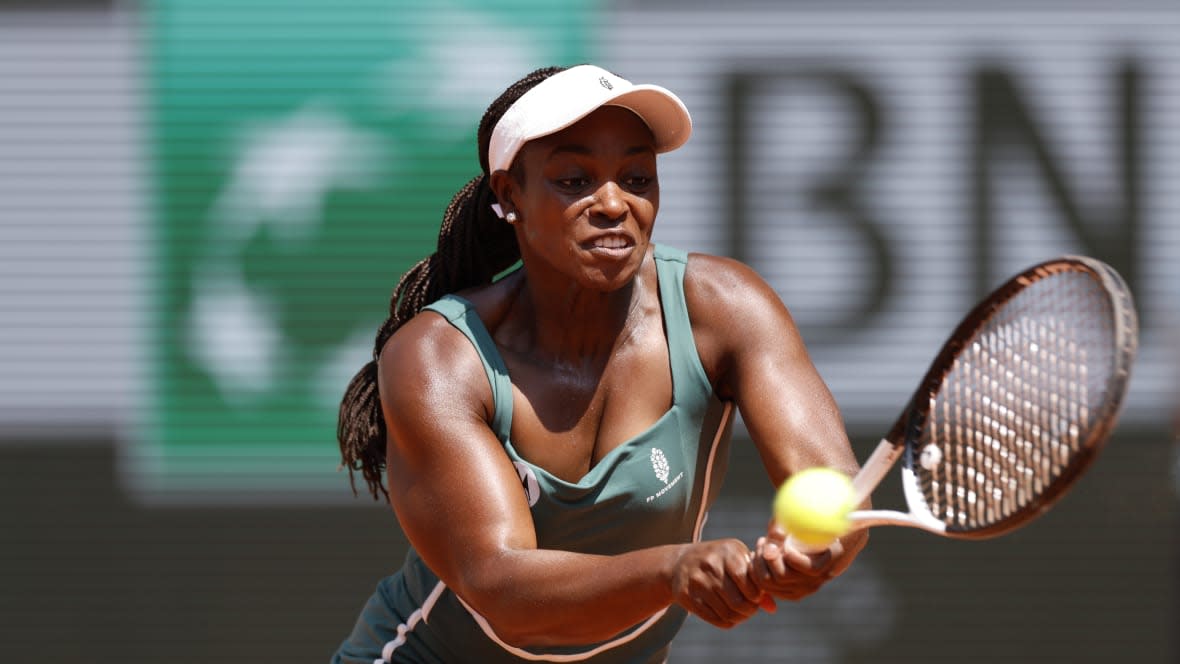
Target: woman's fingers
(785,573)
(715,583)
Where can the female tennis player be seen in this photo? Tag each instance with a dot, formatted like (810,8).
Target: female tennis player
(553,434)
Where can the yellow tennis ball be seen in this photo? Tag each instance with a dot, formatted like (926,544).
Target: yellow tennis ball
(813,505)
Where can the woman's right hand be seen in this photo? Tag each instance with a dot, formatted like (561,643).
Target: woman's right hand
(712,580)
(785,573)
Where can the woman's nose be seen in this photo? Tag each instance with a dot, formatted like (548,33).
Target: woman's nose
(609,201)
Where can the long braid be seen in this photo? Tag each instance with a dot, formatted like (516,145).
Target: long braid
(473,247)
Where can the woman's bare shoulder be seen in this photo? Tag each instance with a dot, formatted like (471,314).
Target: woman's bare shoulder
(428,336)
(720,285)
(429,365)
(733,311)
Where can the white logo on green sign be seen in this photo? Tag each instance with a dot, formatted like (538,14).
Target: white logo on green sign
(302,162)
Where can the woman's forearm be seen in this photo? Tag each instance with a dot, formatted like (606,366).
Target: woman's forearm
(544,597)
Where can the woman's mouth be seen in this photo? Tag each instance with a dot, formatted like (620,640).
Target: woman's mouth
(609,245)
(611,242)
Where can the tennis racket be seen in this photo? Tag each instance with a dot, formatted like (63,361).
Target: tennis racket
(1014,408)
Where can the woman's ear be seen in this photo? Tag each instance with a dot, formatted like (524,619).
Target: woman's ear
(503,185)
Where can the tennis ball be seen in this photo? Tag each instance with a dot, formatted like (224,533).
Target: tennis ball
(813,506)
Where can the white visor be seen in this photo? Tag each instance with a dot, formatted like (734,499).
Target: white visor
(570,95)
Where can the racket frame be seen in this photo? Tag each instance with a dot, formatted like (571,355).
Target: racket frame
(901,439)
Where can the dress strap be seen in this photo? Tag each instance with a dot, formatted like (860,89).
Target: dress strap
(689,380)
(460,313)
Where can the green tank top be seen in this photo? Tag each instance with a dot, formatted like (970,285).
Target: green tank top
(651,490)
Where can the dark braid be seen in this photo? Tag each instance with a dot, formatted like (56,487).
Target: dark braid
(473,247)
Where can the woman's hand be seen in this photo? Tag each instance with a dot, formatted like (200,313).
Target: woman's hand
(713,581)
(786,573)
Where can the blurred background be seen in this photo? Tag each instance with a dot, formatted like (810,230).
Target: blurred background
(204,205)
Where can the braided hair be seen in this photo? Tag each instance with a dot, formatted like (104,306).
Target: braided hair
(473,247)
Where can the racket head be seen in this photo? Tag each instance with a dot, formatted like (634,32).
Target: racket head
(1020,400)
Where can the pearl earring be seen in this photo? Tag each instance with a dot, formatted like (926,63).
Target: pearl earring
(510,217)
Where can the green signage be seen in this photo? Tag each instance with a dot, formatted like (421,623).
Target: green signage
(302,153)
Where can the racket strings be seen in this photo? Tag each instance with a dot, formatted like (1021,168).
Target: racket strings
(1018,402)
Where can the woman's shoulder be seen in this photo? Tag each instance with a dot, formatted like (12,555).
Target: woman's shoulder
(428,340)
(732,310)
(428,368)
(429,349)
(719,283)
(431,345)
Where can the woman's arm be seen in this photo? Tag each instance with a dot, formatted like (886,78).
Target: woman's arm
(460,502)
(754,354)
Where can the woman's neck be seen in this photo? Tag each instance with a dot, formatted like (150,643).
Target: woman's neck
(572,326)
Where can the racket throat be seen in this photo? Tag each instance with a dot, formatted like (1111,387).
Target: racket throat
(875,468)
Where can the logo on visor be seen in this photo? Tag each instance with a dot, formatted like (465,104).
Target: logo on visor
(605,83)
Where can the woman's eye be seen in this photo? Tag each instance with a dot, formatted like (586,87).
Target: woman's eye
(572,183)
(639,181)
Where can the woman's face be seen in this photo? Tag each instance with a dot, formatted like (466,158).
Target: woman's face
(587,199)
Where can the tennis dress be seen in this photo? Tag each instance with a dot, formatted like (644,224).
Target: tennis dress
(651,490)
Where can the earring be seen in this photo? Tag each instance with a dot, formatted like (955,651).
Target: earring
(510,217)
